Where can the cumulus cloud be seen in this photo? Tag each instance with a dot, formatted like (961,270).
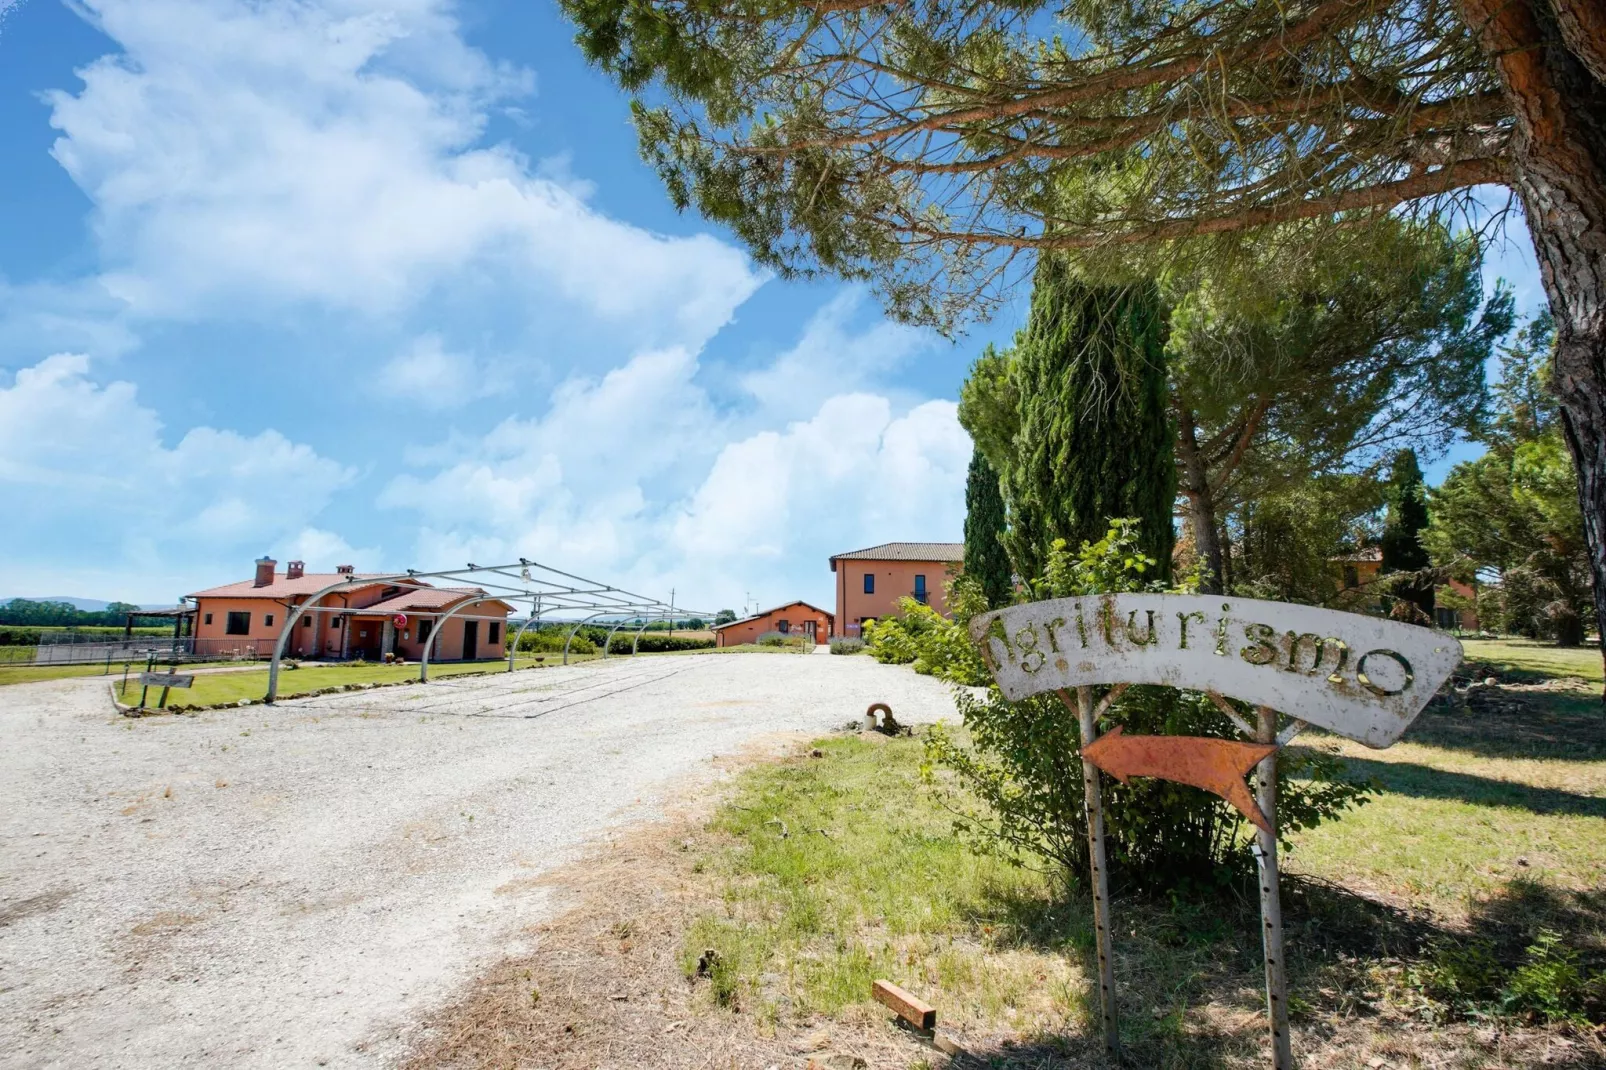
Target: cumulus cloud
(431,376)
(831,358)
(634,477)
(81,457)
(330,151)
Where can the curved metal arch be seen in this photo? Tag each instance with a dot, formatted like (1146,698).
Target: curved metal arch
(434,633)
(575,630)
(636,642)
(295,615)
(608,647)
(513,650)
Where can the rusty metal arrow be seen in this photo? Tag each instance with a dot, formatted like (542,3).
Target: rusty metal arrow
(1216,765)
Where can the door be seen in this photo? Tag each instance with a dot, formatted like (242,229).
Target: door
(471,640)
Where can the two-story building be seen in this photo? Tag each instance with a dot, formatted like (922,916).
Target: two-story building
(366,620)
(870,582)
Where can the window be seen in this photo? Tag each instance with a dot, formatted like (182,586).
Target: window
(306,622)
(920,589)
(209,618)
(783,626)
(1352,578)
(493,634)
(336,623)
(267,620)
(239,623)
(869,583)
(423,629)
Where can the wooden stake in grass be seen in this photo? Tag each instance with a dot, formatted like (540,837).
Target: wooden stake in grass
(905,1005)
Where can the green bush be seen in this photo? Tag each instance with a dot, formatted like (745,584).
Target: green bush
(656,643)
(1022,774)
(1551,984)
(933,644)
(844,645)
(551,640)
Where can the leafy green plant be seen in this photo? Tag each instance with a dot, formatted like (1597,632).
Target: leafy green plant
(846,645)
(1022,766)
(1552,984)
(933,644)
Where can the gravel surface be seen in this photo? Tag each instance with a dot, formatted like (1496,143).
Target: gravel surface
(294,885)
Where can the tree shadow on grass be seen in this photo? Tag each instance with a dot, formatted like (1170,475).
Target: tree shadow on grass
(1512,722)
(1189,973)
(1426,782)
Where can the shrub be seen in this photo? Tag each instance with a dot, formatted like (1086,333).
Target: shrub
(932,644)
(844,645)
(1552,985)
(656,643)
(784,639)
(1023,767)
(551,640)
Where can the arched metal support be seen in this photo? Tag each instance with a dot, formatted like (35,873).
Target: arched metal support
(435,632)
(636,642)
(575,630)
(294,616)
(608,646)
(513,649)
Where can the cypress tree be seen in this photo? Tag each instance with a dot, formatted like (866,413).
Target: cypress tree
(1403,523)
(985,559)
(1094,441)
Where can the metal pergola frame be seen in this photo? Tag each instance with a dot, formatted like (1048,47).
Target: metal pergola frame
(556,595)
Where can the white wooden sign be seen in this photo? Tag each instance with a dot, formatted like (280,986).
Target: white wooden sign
(1361,677)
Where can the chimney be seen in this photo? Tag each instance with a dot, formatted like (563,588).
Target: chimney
(345,570)
(294,570)
(264,571)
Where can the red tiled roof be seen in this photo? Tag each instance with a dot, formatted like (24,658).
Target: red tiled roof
(436,598)
(282,586)
(905,551)
(767,612)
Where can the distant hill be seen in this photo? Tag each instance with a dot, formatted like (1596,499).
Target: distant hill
(88,605)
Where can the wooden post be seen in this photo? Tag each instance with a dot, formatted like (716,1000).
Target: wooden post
(1101,881)
(150,665)
(1271,909)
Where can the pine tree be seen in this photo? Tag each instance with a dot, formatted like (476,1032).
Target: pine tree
(985,559)
(1094,442)
(1403,524)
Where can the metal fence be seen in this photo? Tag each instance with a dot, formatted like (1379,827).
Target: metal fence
(81,649)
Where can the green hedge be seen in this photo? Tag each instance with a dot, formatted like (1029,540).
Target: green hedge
(657,643)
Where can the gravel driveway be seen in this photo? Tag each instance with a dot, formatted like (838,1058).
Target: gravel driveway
(292,886)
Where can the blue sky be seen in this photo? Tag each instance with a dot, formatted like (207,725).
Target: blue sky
(384,282)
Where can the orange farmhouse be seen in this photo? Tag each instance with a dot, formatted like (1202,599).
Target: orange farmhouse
(366,621)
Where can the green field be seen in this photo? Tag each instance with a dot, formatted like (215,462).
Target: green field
(223,687)
(1466,893)
(1541,659)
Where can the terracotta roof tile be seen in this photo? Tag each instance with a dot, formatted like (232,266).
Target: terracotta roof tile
(904,551)
(282,586)
(436,598)
(767,612)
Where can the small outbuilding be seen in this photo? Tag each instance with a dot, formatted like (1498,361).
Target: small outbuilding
(794,619)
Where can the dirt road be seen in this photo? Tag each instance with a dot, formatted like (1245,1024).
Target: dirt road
(291,886)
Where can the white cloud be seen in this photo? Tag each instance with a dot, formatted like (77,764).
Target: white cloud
(329,151)
(831,358)
(634,478)
(92,490)
(427,374)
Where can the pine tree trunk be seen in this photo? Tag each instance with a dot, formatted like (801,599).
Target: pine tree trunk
(1551,57)
(1195,481)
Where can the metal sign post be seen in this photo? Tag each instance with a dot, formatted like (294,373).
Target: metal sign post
(1360,677)
(1096,859)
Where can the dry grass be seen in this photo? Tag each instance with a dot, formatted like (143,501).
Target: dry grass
(604,986)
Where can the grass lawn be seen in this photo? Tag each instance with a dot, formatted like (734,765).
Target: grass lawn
(212,688)
(1527,656)
(27,674)
(1412,921)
